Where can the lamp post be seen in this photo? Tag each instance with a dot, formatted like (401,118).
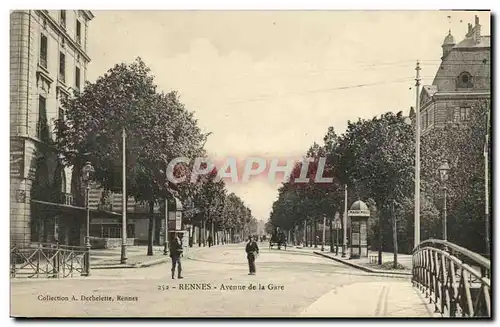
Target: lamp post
(337,227)
(417,157)
(443,174)
(165,241)
(324,229)
(123,254)
(87,170)
(344,245)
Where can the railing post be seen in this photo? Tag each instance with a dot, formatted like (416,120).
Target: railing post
(55,262)
(444,282)
(86,261)
(13,263)
(38,252)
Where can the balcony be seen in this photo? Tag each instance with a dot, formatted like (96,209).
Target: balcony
(43,61)
(67,198)
(42,131)
(62,77)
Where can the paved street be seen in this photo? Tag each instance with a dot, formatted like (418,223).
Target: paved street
(294,284)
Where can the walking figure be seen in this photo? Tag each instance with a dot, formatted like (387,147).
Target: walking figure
(175,255)
(210,241)
(252,250)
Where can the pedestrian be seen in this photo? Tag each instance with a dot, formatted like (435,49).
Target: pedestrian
(210,241)
(252,250)
(176,254)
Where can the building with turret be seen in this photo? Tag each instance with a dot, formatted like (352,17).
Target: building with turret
(463,78)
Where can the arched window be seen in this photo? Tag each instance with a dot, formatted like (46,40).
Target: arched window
(63,181)
(464,80)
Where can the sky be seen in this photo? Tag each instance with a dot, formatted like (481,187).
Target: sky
(270,83)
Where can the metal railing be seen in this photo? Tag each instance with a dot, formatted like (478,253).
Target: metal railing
(67,198)
(48,261)
(456,280)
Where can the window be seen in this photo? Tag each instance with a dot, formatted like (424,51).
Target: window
(464,113)
(77,78)
(62,18)
(464,80)
(62,67)
(456,115)
(111,231)
(78,32)
(42,117)
(43,51)
(461,114)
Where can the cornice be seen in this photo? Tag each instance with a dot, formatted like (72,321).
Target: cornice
(88,14)
(63,32)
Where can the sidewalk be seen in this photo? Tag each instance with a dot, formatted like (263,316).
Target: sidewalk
(372,300)
(405,260)
(136,257)
(364,264)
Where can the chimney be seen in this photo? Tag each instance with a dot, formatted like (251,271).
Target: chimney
(477,31)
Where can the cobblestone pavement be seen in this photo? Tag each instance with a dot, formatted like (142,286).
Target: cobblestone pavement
(212,287)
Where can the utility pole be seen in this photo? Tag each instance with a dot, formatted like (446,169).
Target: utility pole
(344,246)
(417,157)
(165,241)
(487,181)
(123,258)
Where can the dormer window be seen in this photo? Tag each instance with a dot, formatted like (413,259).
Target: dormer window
(464,81)
(62,18)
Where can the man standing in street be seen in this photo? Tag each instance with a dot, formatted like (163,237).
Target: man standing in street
(252,250)
(175,255)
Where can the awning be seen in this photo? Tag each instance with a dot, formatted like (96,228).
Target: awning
(68,207)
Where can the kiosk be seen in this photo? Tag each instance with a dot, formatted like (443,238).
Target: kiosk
(359,214)
(173,222)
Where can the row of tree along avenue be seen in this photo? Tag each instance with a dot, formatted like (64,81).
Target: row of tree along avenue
(158,128)
(375,158)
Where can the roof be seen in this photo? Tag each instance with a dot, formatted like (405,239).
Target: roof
(469,43)
(430,89)
(359,205)
(449,39)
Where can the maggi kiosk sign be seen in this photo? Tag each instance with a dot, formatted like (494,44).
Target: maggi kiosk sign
(359,214)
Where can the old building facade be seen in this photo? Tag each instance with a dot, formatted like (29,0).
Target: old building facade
(48,61)
(463,78)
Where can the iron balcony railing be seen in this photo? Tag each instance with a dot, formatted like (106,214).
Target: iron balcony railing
(48,261)
(67,198)
(456,280)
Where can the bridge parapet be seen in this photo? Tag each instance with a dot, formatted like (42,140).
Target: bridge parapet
(456,280)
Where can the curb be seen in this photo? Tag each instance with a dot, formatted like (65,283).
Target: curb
(136,265)
(158,261)
(370,270)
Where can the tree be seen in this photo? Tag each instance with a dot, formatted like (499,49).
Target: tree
(158,129)
(308,202)
(211,200)
(376,156)
(462,146)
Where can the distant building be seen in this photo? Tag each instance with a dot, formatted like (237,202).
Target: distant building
(48,60)
(463,78)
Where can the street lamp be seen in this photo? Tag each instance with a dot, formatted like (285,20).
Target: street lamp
(443,174)
(337,228)
(344,242)
(324,229)
(87,170)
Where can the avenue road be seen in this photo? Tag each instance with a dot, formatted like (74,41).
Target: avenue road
(216,284)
